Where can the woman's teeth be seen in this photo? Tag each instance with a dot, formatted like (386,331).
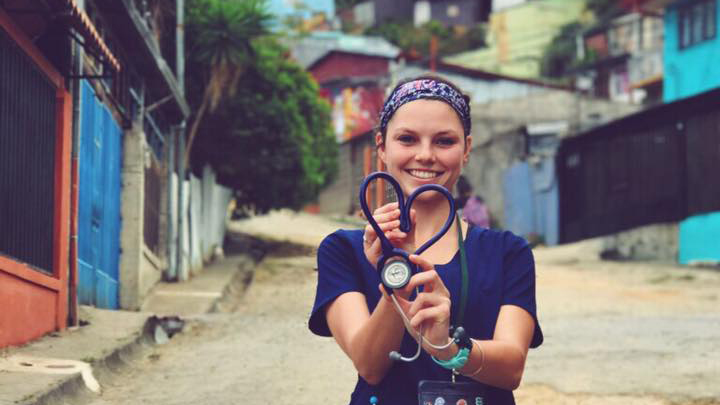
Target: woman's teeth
(423,174)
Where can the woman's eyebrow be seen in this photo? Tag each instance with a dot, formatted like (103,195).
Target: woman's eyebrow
(446,132)
(404,129)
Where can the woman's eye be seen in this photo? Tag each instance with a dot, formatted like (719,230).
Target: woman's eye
(446,141)
(405,138)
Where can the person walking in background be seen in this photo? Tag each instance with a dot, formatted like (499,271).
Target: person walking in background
(471,206)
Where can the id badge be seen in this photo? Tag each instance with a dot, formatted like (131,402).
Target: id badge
(450,393)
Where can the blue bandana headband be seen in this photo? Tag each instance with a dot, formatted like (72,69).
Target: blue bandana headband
(426,89)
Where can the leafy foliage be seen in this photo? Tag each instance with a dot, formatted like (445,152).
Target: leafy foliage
(272,142)
(560,56)
(603,10)
(221,33)
(416,40)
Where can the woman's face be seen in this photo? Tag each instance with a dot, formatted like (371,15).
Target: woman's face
(424,145)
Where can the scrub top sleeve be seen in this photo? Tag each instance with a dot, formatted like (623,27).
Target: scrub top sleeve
(519,280)
(337,275)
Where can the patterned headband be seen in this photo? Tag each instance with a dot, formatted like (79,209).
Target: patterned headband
(426,89)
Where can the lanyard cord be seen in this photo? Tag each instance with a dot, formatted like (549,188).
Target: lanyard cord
(460,313)
(460,310)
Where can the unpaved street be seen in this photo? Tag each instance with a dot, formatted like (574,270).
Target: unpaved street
(614,334)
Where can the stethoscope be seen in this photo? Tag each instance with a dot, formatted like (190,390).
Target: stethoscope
(394,264)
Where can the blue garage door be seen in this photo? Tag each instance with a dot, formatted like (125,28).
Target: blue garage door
(99,203)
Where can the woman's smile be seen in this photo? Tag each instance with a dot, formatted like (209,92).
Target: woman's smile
(424,174)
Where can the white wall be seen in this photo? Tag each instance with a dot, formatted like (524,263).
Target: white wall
(204,221)
(498,5)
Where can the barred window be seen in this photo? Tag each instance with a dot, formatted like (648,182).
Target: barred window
(696,22)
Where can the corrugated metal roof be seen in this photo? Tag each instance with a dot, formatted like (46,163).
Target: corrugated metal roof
(307,50)
(81,22)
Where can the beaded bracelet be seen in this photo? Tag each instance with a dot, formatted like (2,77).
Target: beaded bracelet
(457,362)
(482,360)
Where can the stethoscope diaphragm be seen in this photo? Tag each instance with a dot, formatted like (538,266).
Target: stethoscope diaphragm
(396,273)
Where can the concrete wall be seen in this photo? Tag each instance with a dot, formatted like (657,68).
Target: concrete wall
(341,197)
(486,166)
(690,70)
(498,139)
(204,222)
(480,91)
(657,242)
(581,113)
(336,197)
(139,269)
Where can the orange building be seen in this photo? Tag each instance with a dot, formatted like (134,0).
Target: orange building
(35,167)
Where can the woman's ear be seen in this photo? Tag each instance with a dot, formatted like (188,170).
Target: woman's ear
(380,145)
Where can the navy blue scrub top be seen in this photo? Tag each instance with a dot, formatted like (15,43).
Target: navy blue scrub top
(501,271)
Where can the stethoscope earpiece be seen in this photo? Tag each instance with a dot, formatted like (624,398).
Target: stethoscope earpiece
(395,356)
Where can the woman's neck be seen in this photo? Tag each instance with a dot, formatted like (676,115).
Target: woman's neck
(430,216)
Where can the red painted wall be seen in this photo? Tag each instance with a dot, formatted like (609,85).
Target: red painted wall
(339,65)
(33,303)
(28,310)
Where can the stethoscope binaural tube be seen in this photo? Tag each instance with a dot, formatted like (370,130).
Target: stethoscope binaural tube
(388,250)
(394,265)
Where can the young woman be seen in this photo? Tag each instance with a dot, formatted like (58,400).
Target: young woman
(424,138)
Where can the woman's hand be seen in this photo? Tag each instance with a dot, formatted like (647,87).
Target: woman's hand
(388,219)
(429,313)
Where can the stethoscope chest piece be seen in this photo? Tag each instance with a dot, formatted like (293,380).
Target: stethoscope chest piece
(396,273)
(394,263)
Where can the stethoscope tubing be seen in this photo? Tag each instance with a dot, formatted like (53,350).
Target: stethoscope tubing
(388,250)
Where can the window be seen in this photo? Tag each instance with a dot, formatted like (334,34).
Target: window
(696,22)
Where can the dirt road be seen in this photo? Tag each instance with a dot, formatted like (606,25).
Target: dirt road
(615,334)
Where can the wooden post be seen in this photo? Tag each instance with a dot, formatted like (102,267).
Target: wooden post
(367,169)
(380,184)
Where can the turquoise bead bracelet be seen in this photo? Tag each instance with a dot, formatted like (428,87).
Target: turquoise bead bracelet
(457,362)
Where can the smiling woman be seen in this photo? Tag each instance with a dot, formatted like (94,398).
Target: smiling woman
(424,138)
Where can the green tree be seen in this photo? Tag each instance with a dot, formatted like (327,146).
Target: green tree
(220,34)
(272,141)
(416,40)
(560,56)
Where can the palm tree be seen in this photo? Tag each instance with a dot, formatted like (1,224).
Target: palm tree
(222,47)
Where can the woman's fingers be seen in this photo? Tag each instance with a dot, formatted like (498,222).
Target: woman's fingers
(387,216)
(433,315)
(384,226)
(427,277)
(422,263)
(425,300)
(386,208)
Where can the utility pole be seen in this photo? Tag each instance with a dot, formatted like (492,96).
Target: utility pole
(181,273)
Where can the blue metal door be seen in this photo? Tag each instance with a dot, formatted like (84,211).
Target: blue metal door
(99,203)
(519,203)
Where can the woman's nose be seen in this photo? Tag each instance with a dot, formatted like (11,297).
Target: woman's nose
(425,153)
